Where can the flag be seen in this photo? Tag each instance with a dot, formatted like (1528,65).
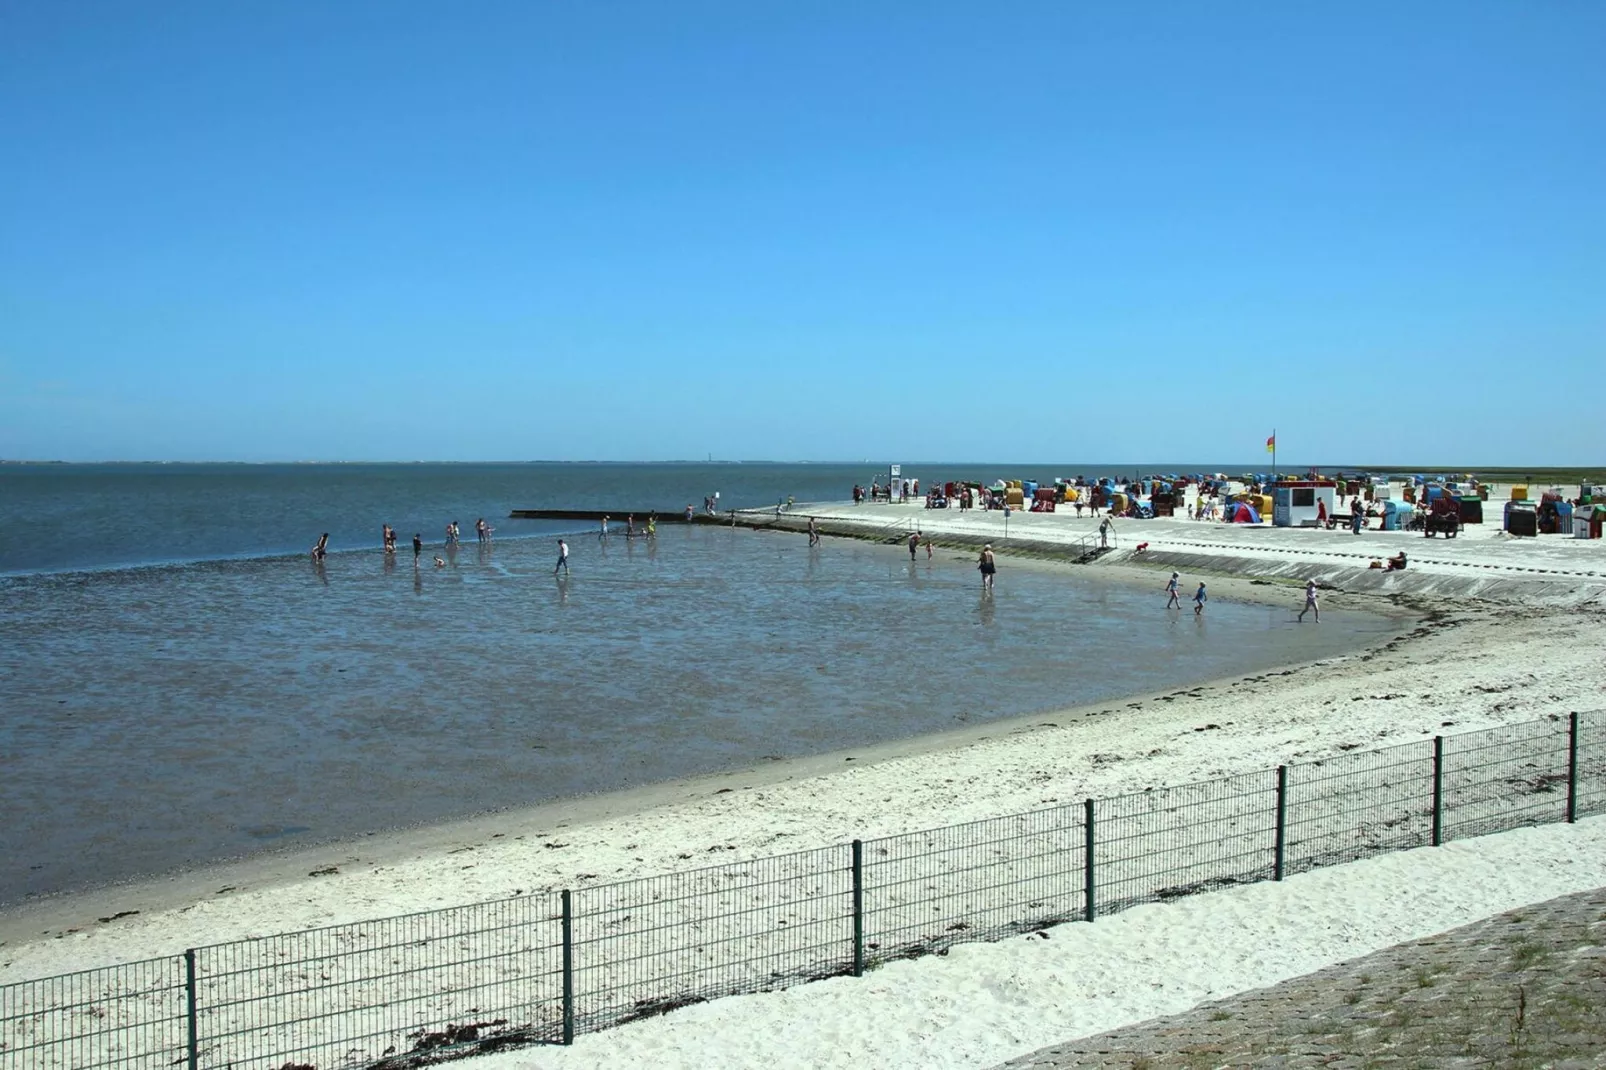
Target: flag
(1271,444)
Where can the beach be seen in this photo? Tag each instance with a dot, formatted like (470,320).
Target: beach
(1481,640)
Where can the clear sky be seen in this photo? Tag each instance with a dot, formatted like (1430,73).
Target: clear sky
(1058,231)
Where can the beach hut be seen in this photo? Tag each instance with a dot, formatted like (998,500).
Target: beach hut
(1522,518)
(1303,503)
(1555,515)
(1397,515)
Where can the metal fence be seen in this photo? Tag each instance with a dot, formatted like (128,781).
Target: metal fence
(406,991)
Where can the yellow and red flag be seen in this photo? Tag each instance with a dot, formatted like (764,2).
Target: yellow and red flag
(1271,443)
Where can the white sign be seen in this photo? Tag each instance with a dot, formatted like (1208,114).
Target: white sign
(895,471)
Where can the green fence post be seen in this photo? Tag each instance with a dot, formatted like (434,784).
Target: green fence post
(568,967)
(1282,822)
(1572,767)
(193,1052)
(1438,790)
(858,909)
(1087,850)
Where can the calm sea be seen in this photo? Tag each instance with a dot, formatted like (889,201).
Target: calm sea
(179,684)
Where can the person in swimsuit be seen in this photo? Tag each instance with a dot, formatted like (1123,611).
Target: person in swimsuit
(1172,588)
(988,566)
(814,531)
(1199,599)
(1310,602)
(322,548)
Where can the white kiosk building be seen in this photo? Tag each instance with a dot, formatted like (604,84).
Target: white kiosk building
(1302,503)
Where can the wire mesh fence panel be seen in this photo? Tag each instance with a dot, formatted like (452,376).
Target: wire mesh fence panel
(648,946)
(1505,777)
(926,891)
(129,1017)
(1591,797)
(1357,805)
(397,992)
(390,993)
(1170,842)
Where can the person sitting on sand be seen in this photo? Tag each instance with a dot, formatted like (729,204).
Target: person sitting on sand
(1396,563)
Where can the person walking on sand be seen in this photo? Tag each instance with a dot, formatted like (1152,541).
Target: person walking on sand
(1310,603)
(1172,592)
(563,558)
(814,531)
(914,543)
(1199,598)
(928,548)
(987,566)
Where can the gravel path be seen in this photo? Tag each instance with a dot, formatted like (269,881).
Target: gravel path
(1522,989)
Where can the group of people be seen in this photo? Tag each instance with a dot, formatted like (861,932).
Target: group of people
(1173,598)
(903,489)
(650,530)
(1173,595)
(387,538)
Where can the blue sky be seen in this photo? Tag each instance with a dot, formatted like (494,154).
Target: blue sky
(1024,231)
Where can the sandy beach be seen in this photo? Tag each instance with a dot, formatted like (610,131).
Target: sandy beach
(1491,631)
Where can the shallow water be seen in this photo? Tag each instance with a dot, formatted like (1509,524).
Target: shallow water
(167,716)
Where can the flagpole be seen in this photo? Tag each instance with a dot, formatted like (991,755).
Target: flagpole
(1274,455)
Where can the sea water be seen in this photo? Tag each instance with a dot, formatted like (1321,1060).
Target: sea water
(156,716)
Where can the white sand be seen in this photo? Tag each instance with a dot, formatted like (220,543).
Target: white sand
(1532,652)
(982,1004)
